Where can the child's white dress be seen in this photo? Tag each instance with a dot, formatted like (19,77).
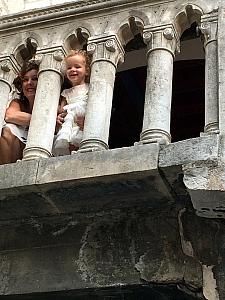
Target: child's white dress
(70,132)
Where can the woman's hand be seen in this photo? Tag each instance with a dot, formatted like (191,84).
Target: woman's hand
(80,122)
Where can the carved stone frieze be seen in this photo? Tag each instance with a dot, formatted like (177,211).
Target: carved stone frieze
(209,26)
(161,37)
(61,9)
(106,48)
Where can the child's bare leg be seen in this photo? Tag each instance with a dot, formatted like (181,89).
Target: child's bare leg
(11,148)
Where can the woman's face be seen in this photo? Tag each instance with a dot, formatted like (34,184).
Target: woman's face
(29,84)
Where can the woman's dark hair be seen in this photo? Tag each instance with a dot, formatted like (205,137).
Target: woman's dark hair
(26,67)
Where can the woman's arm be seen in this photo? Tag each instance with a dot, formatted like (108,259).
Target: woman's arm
(14,114)
(60,113)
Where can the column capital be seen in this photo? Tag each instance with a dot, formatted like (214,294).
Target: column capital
(106,48)
(162,37)
(209,25)
(51,59)
(8,70)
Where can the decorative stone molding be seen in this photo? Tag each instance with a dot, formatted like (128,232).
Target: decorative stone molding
(35,153)
(209,26)
(162,37)
(106,48)
(155,136)
(90,145)
(60,10)
(50,59)
(7,70)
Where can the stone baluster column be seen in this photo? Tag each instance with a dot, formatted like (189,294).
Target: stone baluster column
(43,120)
(161,43)
(209,29)
(107,52)
(7,75)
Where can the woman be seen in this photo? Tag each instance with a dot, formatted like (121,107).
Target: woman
(18,115)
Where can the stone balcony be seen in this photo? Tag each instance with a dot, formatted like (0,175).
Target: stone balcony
(104,218)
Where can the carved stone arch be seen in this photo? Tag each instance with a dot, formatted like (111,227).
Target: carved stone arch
(186,16)
(130,27)
(78,37)
(26,47)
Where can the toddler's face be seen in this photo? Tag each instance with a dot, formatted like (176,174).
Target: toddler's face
(76,69)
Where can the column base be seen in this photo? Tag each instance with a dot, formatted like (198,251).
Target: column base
(155,136)
(35,153)
(212,128)
(92,145)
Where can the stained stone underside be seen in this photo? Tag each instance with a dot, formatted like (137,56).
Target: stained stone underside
(97,220)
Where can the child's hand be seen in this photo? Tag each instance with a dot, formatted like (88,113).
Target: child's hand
(80,122)
(60,118)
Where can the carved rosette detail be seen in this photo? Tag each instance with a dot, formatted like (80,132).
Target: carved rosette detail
(205,29)
(38,58)
(111,45)
(6,66)
(91,48)
(58,55)
(147,37)
(168,33)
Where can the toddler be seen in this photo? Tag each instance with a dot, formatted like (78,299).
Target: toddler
(74,101)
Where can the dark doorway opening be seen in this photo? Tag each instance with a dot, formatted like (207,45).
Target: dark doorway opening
(188,97)
(188,101)
(187,112)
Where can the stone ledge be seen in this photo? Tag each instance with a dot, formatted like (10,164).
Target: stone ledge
(97,181)
(187,151)
(83,183)
(80,166)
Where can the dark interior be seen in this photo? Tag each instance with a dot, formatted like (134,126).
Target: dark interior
(187,111)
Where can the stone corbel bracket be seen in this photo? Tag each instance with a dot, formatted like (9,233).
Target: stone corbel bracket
(205,182)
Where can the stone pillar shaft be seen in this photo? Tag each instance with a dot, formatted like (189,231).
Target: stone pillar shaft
(43,120)
(209,29)
(106,54)
(156,123)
